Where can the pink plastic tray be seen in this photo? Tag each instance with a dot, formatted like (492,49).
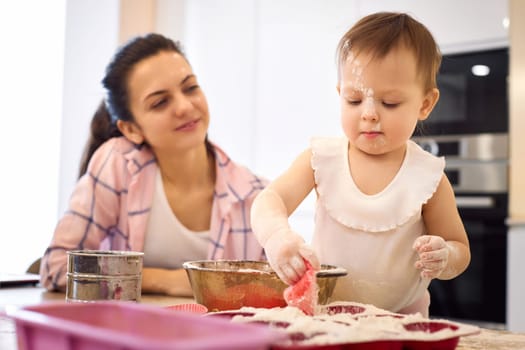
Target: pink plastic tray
(124,325)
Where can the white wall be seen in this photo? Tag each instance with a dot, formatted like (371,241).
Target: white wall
(91,38)
(219,40)
(296,84)
(53,58)
(32,37)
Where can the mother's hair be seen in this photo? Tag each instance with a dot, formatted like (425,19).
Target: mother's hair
(116,104)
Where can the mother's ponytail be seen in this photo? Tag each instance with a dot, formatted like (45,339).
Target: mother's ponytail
(102,128)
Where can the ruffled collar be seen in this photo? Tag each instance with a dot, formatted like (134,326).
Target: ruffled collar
(413,185)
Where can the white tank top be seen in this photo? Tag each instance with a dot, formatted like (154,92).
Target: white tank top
(168,243)
(372,235)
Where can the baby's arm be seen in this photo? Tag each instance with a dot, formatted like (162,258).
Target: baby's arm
(284,248)
(444,253)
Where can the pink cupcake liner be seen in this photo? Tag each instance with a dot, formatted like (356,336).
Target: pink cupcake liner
(189,307)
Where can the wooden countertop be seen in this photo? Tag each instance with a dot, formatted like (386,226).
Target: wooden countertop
(493,340)
(23,296)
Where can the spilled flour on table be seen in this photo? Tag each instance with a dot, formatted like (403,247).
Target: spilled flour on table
(350,322)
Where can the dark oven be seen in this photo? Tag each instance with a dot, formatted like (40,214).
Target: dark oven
(473,95)
(477,167)
(469,126)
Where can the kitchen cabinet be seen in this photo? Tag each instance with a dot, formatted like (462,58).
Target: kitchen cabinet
(465,25)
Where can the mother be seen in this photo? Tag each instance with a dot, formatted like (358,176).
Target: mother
(151,180)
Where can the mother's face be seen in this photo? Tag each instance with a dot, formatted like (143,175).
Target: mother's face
(170,109)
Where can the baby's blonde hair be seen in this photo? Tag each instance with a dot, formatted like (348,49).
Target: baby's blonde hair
(381,32)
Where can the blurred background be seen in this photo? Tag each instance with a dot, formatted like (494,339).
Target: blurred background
(267,68)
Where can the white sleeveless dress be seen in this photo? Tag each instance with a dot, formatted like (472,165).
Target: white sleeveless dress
(372,235)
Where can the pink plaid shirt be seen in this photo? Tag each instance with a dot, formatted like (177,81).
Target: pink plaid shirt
(110,206)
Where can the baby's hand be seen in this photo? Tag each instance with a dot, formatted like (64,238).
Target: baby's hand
(286,252)
(433,255)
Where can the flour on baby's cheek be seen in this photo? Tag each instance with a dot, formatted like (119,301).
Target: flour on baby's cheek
(368,101)
(352,74)
(354,81)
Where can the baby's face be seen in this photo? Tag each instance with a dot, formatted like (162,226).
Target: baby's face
(381,100)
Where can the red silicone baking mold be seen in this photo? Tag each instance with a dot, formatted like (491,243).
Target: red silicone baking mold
(421,334)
